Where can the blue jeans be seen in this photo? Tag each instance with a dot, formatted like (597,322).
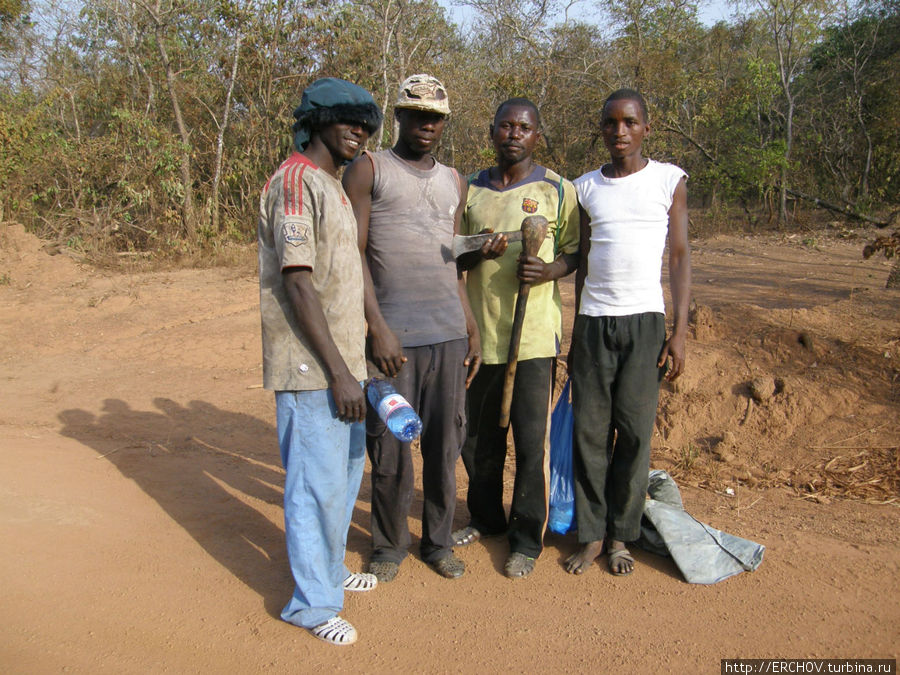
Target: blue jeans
(323,459)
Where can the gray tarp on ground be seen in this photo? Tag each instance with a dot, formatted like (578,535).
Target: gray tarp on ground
(703,555)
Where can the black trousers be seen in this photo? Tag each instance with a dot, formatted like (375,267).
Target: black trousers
(484,453)
(615,393)
(433,380)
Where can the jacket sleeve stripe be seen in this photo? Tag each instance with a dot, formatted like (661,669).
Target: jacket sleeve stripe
(293,190)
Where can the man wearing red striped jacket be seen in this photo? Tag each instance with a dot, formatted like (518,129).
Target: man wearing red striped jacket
(313,334)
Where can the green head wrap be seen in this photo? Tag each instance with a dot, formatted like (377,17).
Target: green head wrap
(329,101)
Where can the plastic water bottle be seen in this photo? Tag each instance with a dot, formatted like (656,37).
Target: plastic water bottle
(394,410)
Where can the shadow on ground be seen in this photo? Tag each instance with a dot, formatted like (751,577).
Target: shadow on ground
(217,474)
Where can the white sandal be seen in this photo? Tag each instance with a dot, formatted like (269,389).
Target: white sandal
(360,582)
(336,631)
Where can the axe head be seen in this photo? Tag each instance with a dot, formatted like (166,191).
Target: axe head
(468,243)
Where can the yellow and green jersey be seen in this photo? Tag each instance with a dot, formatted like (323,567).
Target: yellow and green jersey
(493,285)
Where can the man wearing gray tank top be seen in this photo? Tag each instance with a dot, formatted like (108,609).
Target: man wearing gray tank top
(421,331)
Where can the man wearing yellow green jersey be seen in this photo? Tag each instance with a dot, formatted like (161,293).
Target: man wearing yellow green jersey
(499,199)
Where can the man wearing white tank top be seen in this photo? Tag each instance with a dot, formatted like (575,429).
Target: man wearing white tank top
(620,352)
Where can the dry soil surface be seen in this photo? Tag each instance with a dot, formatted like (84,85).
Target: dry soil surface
(140,486)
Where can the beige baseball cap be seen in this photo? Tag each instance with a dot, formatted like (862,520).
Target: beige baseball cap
(423,92)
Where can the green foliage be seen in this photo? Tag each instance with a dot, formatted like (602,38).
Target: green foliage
(109,128)
(22,131)
(851,87)
(10,10)
(12,13)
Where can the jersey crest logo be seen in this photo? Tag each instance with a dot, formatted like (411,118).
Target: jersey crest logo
(295,234)
(529,205)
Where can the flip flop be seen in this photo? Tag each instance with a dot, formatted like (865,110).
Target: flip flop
(620,554)
(360,582)
(336,631)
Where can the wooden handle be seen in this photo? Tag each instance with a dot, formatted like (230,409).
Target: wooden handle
(534,231)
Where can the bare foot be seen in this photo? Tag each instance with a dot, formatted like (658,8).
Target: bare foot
(620,560)
(579,561)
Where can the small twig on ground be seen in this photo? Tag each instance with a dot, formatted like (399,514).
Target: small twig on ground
(236,455)
(740,508)
(746,361)
(835,444)
(852,447)
(749,410)
(121,447)
(831,461)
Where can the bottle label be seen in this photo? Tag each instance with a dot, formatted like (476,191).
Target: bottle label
(391,403)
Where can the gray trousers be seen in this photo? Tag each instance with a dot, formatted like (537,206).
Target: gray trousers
(433,380)
(615,394)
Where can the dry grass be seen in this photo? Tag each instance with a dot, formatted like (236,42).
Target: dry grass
(871,475)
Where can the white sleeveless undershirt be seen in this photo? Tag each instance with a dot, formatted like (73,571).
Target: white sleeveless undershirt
(629,221)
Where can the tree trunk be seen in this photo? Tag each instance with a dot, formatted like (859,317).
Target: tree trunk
(785,170)
(187,181)
(388,29)
(220,140)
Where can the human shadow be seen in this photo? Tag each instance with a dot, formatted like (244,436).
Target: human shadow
(214,472)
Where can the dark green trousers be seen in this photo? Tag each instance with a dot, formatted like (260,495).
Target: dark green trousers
(615,393)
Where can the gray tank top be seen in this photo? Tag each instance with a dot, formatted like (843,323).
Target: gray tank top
(410,232)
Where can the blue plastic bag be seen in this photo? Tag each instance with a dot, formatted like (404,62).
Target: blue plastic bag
(562,489)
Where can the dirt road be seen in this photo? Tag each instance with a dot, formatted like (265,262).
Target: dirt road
(140,486)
